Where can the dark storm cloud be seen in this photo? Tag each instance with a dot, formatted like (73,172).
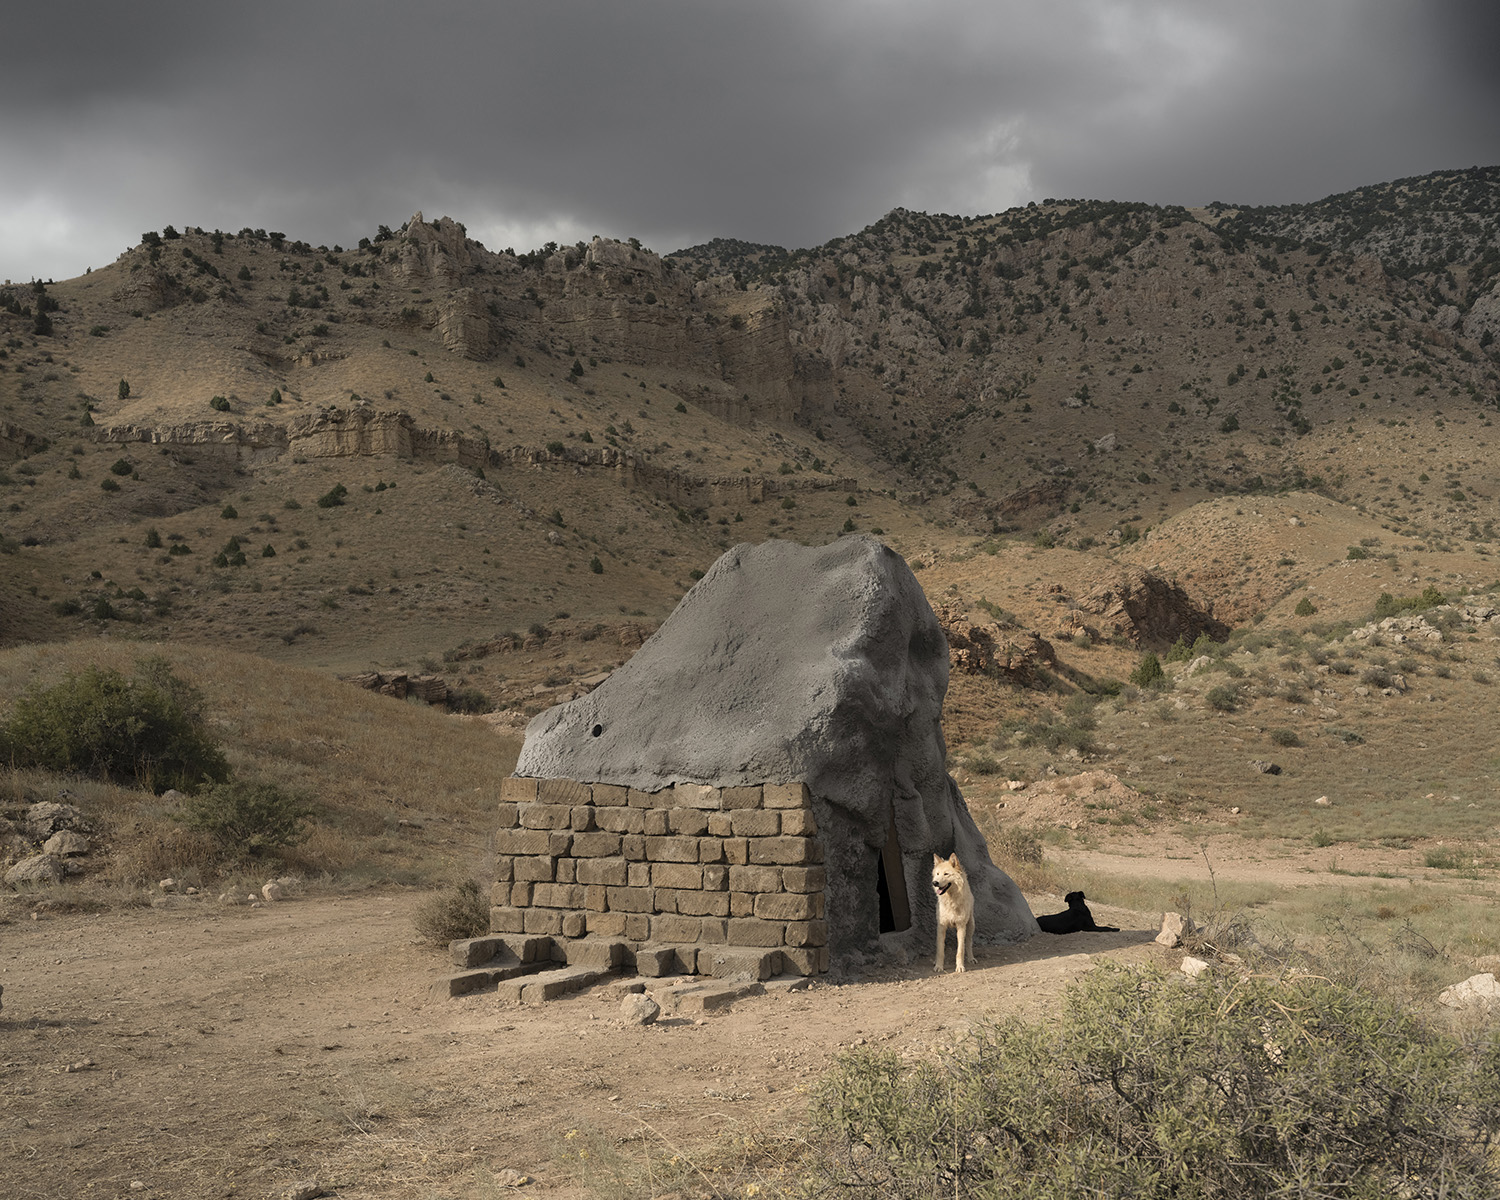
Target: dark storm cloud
(678,121)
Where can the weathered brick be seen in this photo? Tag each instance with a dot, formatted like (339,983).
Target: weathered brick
(787,795)
(637,926)
(651,962)
(602,870)
(703,904)
(606,924)
(582,818)
(574,924)
(529,949)
(517,789)
(755,822)
(752,931)
(789,850)
(633,847)
(504,868)
(671,928)
(786,907)
(534,868)
(736,962)
(807,933)
(500,892)
(741,904)
(507,816)
(605,954)
(801,961)
(715,930)
(608,795)
(661,799)
(742,797)
(638,874)
(665,900)
(711,850)
(563,791)
(520,894)
(804,879)
(720,824)
(596,897)
(557,895)
(629,899)
(737,851)
(658,822)
(504,919)
(797,822)
(521,841)
(672,849)
(620,820)
(690,821)
(545,816)
(596,845)
(676,875)
(716,878)
(543,920)
(558,843)
(696,795)
(566,870)
(755,879)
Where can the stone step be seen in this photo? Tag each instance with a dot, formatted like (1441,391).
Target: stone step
(549,985)
(477,979)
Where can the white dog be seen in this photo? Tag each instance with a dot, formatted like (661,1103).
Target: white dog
(955,908)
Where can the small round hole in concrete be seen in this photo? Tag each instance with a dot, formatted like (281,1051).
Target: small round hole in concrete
(597,730)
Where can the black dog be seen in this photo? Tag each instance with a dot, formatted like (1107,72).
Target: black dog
(1075,919)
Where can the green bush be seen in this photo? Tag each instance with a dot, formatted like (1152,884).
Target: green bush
(146,730)
(462,911)
(1305,607)
(333,497)
(247,818)
(1149,671)
(1180,651)
(1224,698)
(1390,606)
(1246,1087)
(1285,737)
(121,466)
(469,700)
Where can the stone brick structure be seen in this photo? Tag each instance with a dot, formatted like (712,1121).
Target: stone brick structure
(719,881)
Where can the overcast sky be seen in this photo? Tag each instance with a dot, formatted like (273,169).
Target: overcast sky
(680,120)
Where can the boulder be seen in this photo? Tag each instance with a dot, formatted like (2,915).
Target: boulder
(822,665)
(46,818)
(1194,967)
(39,868)
(1477,991)
(66,842)
(1173,927)
(639,1010)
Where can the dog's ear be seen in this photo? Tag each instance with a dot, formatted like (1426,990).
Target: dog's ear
(953,858)
(937,860)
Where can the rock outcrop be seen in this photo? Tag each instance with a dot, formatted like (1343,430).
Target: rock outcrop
(994,648)
(1147,610)
(821,665)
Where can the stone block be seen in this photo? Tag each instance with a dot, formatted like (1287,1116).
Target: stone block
(534,868)
(559,843)
(691,821)
(755,879)
(655,961)
(702,904)
(504,919)
(596,845)
(742,797)
(756,822)
(521,841)
(720,824)
(737,851)
(557,895)
(507,816)
(752,931)
(545,816)
(518,790)
(529,949)
(637,926)
(504,868)
(638,874)
(520,894)
(566,870)
(668,927)
(596,897)
(629,899)
(608,795)
(666,900)
(543,920)
(711,850)
(695,795)
(796,822)
(705,997)
(633,846)
(672,849)
(658,822)
(676,875)
(793,851)
(582,818)
(807,933)
(739,962)
(661,799)
(548,985)
(715,931)
(466,982)
(606,924)
(566,792)
(600,953)
(741,904)
(804,879)
(612,871)
(500,892)
(574,924)
(787,795)
(716,878)
(621,820)
(800,961)
(788,906)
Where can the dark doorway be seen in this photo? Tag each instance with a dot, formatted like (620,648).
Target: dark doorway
(890,885)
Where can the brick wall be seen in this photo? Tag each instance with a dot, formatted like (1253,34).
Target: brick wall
(715,875)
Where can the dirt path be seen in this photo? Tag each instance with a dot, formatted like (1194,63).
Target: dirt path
(202,1051)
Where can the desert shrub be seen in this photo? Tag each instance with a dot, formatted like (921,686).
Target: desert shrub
(461,911)
(982,764)
(247,818)
(1180,651)
(219,404)
(146,730)
(1285,737)
(1305,607)
(1016,844)
(1357,552)
(1149,672)
(1236,1086)
(1224,698)
(469,700)
(1387,605)
(121,466)
(333,497)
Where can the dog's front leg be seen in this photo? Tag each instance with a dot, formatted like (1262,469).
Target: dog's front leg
(964,933)
(942,937)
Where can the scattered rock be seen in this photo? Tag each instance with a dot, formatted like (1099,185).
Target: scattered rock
(1015,785)
(1477,991)
(510,1177)
(1173,926)
(39,868)
(1323,801)
(1267,768)
(1235,810)
(46,818)
(639,1009)
(168,885)
(1193,967)
(304,1189)
(66,842)
(272,891)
